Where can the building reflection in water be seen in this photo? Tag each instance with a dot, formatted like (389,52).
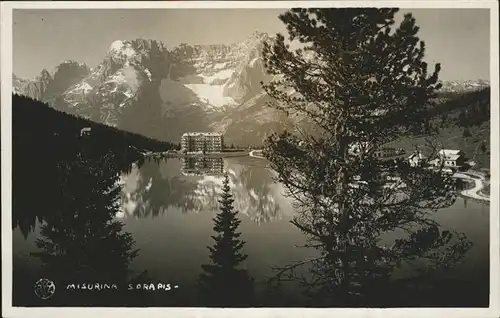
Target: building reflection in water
(199,166)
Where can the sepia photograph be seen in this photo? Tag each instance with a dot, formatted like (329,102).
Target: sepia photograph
(292,155)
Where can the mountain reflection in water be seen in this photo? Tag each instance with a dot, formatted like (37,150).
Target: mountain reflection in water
(194,185)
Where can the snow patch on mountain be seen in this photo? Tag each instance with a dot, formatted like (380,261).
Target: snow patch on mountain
(81,88)
(220,75)
(126,76)
(148,73)
(211,94)
(252,62)
(219,66)
(17,84)
(123,48)
(226,75)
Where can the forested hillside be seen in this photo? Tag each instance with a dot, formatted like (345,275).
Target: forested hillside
(46,128)
(462,121)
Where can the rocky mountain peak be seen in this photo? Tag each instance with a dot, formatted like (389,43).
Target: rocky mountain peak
(259,35)
(130,60)
(72,64)
(130,48)
(256,38)
(45,76)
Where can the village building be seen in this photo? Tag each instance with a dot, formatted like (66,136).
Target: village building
(85,131)
(388,152)
(382,152)
(416,159)
(451,158)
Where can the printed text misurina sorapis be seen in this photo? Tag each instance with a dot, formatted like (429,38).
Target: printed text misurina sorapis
(142,286)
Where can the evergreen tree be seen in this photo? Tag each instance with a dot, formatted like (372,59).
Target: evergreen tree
(462,119)
(223,283)
(80,241)
(483,146)
(444,117)
(363,84)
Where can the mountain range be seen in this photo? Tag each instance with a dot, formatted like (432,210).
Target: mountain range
(142,87)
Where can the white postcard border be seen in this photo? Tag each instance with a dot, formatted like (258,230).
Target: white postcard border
(76,312)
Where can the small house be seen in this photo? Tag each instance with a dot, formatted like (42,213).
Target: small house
(85,131)
(386,152)
(357,148)
(451,158)
(416,159)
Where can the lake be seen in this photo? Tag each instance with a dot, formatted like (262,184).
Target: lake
(168,207)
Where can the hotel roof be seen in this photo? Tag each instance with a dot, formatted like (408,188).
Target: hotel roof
(202,134)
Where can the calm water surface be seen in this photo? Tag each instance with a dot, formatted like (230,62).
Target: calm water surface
(168,208)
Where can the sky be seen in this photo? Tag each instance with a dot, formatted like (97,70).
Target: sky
(459,39)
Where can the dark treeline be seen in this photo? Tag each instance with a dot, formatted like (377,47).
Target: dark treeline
(36,120)
(463,109)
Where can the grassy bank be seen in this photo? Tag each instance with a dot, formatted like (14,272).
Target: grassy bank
(486,190)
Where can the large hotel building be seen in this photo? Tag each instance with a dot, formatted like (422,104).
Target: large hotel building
(202,142)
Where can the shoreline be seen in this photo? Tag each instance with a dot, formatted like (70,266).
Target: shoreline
(253,155)
(196,155)
(475,191)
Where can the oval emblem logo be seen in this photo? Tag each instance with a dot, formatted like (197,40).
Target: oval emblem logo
(45,288)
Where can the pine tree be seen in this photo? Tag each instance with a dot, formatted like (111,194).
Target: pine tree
(80,240)
(362,83)
(483,146)
(444,117)
(462,119)
(223,283)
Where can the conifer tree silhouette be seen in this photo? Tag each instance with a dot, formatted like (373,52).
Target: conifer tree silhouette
(224,284)
(363,83)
